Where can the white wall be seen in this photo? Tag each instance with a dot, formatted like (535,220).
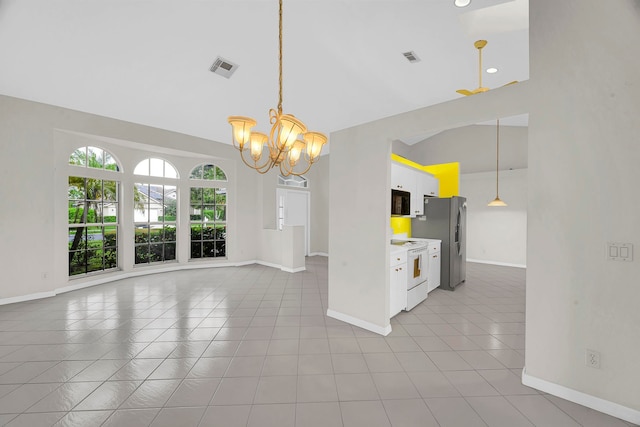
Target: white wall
(474,147)
(319,188)
(583,192)
(496,235)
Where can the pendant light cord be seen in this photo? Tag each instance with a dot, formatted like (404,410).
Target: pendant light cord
(280,59)
(497,152)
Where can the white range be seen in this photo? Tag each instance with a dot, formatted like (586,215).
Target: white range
(422,268)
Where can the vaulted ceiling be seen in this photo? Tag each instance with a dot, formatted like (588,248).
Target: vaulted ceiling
(147,61)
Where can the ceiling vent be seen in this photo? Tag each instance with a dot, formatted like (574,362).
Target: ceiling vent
(411,56)
(223,67)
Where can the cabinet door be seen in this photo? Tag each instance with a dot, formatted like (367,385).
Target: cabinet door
(431,186)
(433,271)
(398,288)
(401,177)
(417,197)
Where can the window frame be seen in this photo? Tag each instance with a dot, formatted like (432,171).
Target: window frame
(102,174)
(217,241)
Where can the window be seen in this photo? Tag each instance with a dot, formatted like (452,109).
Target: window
(293,181)
(156,167)
(92,207)
(93,225)
(94,157)
(208,173)
(155,211)
(208,211)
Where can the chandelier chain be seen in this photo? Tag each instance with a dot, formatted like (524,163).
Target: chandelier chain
(280,59)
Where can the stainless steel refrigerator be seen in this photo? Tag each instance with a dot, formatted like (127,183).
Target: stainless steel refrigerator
(445,219)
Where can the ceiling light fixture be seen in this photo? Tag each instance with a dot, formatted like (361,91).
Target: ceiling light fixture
(497,201)
(479,44)
(462,3)
(285,148)
(492,70)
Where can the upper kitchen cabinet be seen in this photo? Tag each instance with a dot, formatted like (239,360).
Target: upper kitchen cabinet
(416,182)
(402,177)
(431,185)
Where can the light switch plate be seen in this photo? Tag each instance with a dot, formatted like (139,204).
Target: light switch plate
(617,251)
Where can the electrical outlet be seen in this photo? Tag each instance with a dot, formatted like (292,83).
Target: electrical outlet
(592,359)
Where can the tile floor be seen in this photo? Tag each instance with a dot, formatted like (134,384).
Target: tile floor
(251,346)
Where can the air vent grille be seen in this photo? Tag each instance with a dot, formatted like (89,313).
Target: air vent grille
(223,67)
(411,56)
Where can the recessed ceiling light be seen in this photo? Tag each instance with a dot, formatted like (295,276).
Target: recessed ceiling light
(461,3)
(492,70)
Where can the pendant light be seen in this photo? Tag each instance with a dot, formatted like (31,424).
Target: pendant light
(497,201)
(284,143)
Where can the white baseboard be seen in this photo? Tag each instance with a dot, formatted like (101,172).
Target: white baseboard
(278,266)
(77,284)
(293,270)
(503,264)
(318,254)
(601,405)
(268,264)
(28,297)
(359,322)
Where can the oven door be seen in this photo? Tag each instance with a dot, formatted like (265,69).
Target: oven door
(417,263)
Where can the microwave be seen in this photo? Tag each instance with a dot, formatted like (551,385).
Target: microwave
(400,202)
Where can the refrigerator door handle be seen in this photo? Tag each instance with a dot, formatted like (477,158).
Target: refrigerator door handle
(458,230)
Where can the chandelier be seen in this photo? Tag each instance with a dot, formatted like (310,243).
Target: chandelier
(497,201)
(285,146)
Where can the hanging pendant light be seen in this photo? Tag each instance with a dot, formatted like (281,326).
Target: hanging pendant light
(285,147)
(497,201)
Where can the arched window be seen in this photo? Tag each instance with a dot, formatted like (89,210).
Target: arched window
(155,212)
(92,207)
(208,172)
(94,157)
(156,167)
(208,212)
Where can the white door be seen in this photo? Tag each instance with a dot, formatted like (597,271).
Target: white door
(293,209)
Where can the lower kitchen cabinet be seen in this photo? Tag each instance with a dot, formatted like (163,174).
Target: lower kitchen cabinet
(398,282)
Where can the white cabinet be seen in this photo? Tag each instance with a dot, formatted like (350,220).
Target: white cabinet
(417,197)
(433,267)
(398,282)
(431,186)
(416,182)
(401,177)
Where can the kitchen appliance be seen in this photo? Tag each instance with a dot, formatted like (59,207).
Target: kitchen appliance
(400,202)
(445,219)
(417,265)
(417,262)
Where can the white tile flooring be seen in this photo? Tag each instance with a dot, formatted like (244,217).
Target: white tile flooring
(251,346)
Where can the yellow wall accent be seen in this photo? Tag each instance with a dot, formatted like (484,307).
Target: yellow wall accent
(401,225)
(448,175)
